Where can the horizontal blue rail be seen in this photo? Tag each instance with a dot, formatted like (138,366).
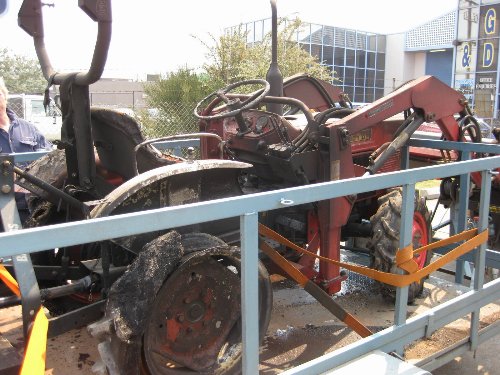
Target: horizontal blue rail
(59,235)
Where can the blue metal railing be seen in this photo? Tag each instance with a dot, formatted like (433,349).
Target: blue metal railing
(247,208)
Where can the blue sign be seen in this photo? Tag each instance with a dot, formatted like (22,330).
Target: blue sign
(4,7)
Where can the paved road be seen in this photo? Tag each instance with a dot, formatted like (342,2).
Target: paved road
(485,361)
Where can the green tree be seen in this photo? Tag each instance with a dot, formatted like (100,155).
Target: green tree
(173,97)
(183,86)
(231,58)
(226,54)
(21,74)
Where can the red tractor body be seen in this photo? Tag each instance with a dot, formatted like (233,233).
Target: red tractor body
(348,145)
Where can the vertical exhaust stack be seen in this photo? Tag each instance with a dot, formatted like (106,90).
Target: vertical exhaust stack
(274,76)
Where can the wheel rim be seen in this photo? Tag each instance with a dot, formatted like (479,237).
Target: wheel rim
(420,236)
(195,320)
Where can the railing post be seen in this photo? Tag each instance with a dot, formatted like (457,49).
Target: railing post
(405,239)
(405,157)
(250,292)
(23,268)
(460,215)
(480,256)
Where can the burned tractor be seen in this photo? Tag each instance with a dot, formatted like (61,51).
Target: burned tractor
(291,132)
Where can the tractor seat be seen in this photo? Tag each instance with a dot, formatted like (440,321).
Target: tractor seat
(115,137)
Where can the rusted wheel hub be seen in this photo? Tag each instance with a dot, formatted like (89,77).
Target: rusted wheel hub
(196,314)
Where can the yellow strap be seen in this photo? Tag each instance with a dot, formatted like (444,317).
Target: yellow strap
(34,357)
(472,238)
(8,280)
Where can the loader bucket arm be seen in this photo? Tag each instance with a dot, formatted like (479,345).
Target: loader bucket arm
(431,100)
(437,102)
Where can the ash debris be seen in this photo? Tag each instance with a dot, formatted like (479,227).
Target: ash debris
(132,295)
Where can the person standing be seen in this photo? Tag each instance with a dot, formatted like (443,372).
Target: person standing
(18,135)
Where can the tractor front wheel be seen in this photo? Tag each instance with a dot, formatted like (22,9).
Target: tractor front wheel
(192,323)
(384,242)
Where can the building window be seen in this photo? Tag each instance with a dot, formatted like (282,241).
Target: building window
(349,76)
(358,58)
(360,78)
(316,51)
(327,55)
(350,57)
(361,59)
(339,57)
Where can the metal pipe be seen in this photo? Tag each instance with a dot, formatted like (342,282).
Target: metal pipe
(274,76)
(30,19)
(441,225)
(291,101)
(395,145)
(83,78)
(9,301)
(72,201)
(65,290)
(173,137)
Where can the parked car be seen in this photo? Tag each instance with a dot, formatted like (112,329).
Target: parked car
(30,108)
(128,111)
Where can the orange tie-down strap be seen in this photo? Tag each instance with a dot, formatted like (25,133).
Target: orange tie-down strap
(34,356)
(8,280)
(404,257)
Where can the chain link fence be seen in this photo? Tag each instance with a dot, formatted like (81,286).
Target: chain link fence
(168,119)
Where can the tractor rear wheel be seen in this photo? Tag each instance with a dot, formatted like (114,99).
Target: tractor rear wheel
(385,239)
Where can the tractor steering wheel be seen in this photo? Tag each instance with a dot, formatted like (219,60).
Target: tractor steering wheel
(234,106)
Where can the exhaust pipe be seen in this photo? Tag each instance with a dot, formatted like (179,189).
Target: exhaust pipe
(274,76)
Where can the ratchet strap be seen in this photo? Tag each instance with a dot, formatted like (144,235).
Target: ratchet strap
(34,356)
(404,257)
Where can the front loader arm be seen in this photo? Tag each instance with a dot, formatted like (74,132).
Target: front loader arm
(430,101)
(433,99)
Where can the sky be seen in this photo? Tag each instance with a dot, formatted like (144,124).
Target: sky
(153,36)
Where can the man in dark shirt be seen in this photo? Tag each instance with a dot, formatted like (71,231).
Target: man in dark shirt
(18,135)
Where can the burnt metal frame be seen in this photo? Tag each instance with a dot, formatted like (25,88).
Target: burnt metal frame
(247,207)
(24,271)
(76,134)
(23,268)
